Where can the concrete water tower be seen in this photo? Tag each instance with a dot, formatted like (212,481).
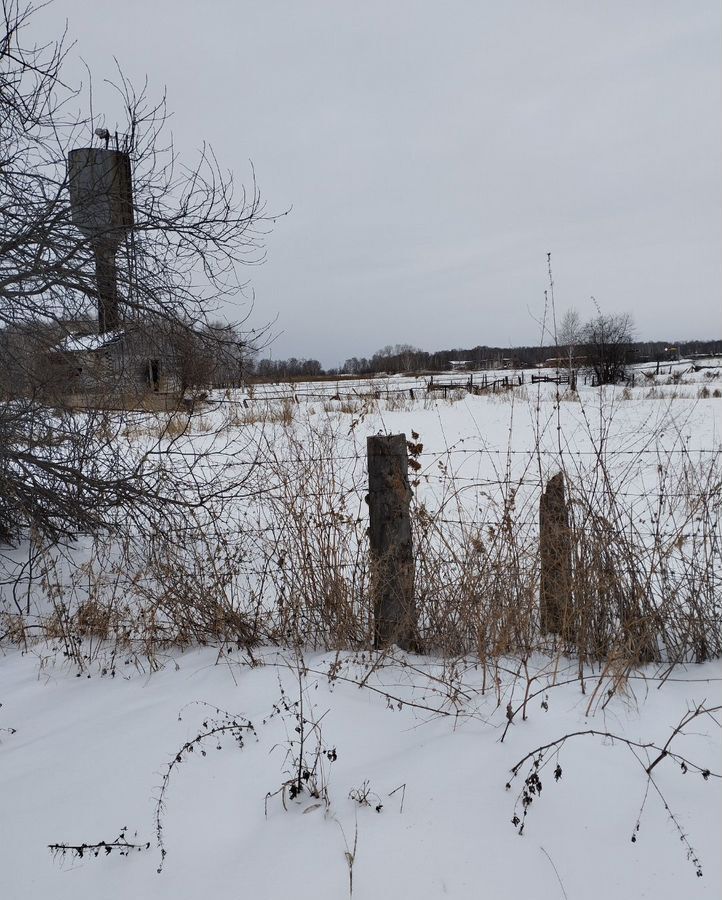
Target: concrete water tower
(101,203)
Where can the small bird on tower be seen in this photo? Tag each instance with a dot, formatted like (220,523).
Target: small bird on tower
(104,135)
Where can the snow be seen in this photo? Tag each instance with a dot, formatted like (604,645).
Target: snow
(83,756)
(84,343)
(88,755)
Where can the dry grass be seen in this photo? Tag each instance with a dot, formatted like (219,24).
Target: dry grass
(260,412)
(289,564)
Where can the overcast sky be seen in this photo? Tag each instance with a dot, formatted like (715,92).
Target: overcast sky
(432,153)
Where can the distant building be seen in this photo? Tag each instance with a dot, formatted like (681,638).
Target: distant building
(70,358)
(457,364)
(563,362)
(126,361)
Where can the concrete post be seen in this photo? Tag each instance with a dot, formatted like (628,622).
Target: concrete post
(392,563)
(556,609)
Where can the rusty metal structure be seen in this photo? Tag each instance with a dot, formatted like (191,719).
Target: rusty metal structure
(101,202)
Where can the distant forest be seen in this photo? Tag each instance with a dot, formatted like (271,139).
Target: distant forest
(403,358)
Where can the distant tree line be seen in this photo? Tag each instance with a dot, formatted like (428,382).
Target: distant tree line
(404,358)
(606,340)
(278,369)
(603,346)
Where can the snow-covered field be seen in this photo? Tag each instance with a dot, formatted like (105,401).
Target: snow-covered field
(83,757)
(89,754)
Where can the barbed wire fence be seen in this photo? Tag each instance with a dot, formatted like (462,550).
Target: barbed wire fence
(293,557)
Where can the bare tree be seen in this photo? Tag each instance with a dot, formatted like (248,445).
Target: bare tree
(570,330)
(607,340)
(61,469)
(569,336)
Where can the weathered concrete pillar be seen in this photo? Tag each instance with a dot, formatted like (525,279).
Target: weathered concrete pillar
(392,562)
(556,608)
(105,273)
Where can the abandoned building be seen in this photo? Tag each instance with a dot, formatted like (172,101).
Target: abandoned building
(121,361)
